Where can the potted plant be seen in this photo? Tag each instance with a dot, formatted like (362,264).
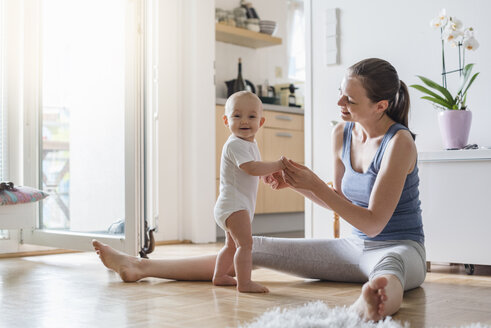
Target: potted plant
(454,117)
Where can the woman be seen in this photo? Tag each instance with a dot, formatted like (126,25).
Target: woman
(375,190)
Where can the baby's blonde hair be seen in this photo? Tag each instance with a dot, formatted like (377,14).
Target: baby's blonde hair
(229,104)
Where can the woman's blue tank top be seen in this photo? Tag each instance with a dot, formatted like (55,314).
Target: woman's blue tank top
(406,222)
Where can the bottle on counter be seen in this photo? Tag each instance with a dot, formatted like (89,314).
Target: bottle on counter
(239,83)
(292,100)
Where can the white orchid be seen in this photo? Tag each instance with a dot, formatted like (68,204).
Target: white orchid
(440,20)
(451,31)
(443,14)
(468,33)
(455,24)
(451,35)
(471,43)
(436,23)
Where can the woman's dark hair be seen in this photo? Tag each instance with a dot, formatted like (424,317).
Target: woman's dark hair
(381,82)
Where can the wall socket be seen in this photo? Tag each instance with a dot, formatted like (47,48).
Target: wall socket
(278,72)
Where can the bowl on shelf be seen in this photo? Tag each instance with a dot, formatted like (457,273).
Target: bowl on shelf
(267,27)
(252,24)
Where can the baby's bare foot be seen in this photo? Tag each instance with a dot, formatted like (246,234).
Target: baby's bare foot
(126,266)
(370,305)
(225,280)
(251,287)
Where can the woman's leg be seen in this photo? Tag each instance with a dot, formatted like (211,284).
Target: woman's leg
(132,268)
(391,266)
(326,259)
(395,266)
(380,297)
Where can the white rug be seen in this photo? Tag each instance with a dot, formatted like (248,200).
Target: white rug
(319,315)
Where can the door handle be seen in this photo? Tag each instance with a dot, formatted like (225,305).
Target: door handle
(284,134)
(283,117)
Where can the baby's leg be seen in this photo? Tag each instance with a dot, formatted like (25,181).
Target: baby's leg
(239,225)
(225,261)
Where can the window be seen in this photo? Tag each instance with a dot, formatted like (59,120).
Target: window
(4,234)
(3,111)
(83,114)
(74,79)
(296,40)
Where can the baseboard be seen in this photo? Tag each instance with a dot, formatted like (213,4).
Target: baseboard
(37,253)
(171,242)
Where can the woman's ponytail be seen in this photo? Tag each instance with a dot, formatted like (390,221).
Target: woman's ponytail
(381,82)
(398,109)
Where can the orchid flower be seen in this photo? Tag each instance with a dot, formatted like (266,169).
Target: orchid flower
(468,32)
(452,33)
(471,43)
(455,24)
(440,20)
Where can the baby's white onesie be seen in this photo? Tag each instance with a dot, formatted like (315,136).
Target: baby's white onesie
(238,190)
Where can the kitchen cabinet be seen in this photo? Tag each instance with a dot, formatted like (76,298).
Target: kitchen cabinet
(244,37)
(281,134)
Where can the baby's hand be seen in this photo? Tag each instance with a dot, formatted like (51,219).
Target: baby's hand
(275,180)
(282,165)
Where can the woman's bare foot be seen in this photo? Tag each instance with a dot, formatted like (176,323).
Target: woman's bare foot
(126,266)
(251,287)
(225,280)
(370,304)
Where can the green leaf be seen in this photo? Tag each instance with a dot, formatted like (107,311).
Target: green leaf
(438,101)
(467,73)
(431,93)
(470,83)
(438,87)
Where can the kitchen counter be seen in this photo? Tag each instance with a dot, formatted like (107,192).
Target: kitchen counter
(277,108)
(455,155)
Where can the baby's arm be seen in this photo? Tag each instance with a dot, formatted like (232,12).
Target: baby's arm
(260,168)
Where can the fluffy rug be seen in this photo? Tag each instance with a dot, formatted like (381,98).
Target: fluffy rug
(319,315)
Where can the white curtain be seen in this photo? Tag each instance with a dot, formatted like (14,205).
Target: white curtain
(296,40)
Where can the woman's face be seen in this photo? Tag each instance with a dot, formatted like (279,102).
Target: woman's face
(353,102)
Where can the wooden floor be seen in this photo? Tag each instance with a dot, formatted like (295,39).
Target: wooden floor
(75,290)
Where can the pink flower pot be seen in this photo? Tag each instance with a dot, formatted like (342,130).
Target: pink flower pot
(454,127)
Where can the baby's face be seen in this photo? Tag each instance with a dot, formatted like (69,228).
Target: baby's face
(245,119)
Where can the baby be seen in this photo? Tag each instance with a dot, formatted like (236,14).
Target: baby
(240,169)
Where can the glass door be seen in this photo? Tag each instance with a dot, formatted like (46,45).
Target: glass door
(88,139)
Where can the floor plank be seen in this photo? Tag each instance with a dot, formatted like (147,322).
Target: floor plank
(75,290)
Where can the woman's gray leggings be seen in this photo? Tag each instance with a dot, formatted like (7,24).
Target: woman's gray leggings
(349,259)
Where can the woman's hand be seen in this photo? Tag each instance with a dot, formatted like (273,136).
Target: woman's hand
(299,176)
(275,181)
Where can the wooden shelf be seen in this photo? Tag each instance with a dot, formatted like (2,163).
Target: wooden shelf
(244,37)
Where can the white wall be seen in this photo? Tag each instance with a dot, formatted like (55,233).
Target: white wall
(257,64)
(186,125)
(403,37)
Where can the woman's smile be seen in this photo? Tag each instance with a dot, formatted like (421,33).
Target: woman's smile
(344,112)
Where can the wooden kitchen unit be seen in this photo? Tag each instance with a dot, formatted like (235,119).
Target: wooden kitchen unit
(281,134)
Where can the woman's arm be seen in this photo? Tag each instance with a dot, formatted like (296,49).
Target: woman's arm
(276,180)
(399,160)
